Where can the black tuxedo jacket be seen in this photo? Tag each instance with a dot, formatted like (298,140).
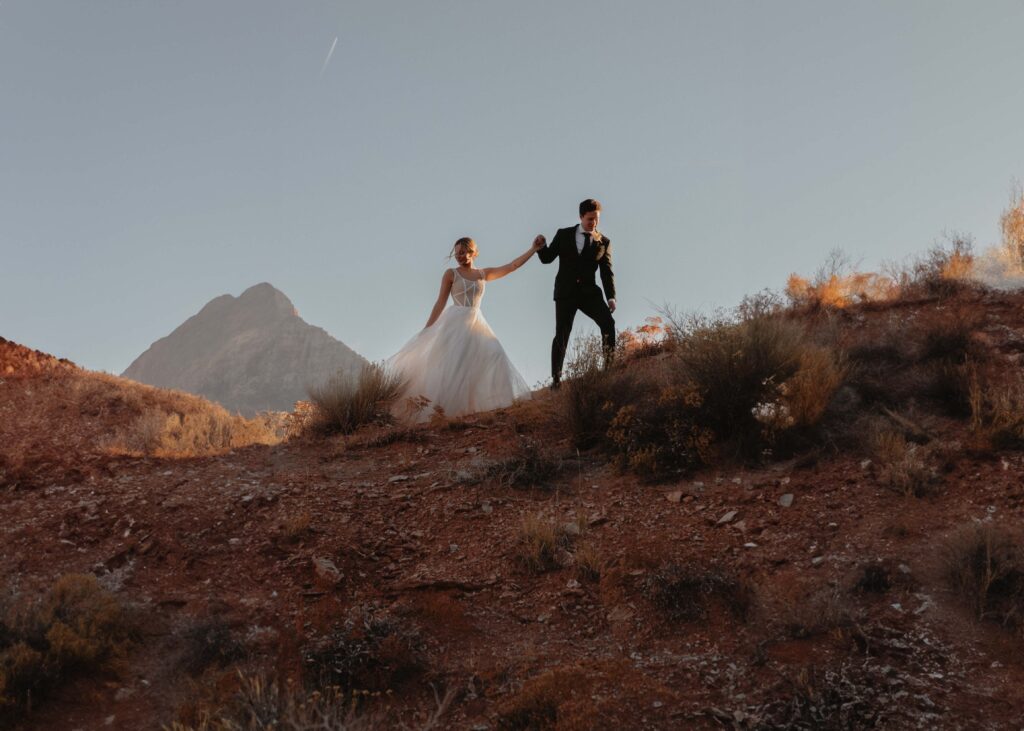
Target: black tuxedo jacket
(576,270)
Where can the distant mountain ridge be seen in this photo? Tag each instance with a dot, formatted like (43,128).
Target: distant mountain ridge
(249,353)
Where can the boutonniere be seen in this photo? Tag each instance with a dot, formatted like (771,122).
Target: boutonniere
(596,237)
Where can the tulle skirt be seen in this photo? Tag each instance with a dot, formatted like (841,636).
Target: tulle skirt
(459,365)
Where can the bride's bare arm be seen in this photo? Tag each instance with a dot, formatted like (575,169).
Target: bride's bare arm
(446,288)
(492,273)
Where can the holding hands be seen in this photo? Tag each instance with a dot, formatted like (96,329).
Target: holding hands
(538,243)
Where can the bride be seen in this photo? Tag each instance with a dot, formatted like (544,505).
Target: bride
(456,364)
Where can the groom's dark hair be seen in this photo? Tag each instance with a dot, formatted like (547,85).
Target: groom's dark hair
(589,205)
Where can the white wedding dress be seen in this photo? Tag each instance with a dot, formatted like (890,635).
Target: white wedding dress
(457,363)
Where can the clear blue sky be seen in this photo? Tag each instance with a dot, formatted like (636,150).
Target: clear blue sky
(154,155)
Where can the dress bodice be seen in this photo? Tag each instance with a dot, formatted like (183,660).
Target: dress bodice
(467,292)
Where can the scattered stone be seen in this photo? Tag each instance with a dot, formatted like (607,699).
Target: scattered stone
(397,478)
(740,525)
(750,545)
(326,570)
(786,500)
(737,480)
(865,464)
(235,541)
(727,518)
(572,528)
(620,614)
(453,548)
(784,481)
(487,508)
(817,560)
(698,485)
(675,496)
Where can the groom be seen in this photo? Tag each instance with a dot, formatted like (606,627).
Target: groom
(581,250)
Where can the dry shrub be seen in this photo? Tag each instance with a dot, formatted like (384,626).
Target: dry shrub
(263,702)
(296,527)
(903,466)
(814,613)
(849,696)
(209,642)
(684,592)
(755,375)
(370,651)
(943,271)
(662,436)
(835,285)
(347,402)
(204,430)
(588,561)
(592,394)
(1012,224)
(539,542)
(530,466)
(77,627)
(984,565)
(997,412)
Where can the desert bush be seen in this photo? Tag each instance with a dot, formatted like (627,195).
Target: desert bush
(813,613)
(529,466)
(659,436)
(837,285)
(347,402)
(903,466)
(943,271)
(1012,224)
(984,565)
(684,592)
(757,376)
(588,561)
(847,696)
(593,394)
(263,702)
(997,412)
(539,542)
(77,627)
(370,651)
(209,642)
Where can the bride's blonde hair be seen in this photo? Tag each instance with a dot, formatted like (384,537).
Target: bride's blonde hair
(464,241)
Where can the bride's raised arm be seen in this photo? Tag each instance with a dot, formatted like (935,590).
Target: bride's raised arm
(446,287)
(492,273)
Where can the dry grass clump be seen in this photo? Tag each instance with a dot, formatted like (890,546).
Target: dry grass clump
(296,527)
(77,627)
(984,565)
(815,613)
(848,696)
(684,592)
(263,702)
(347,402)
(209,642)
(588,561)
(206,431)
(529,466)
(1012,224)
(997,412)
(903,466)
(592,394)
(539,542)
(370,651)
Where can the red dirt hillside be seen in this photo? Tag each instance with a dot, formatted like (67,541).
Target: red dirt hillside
(495,572)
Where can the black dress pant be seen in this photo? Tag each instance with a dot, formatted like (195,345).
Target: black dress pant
(593,306)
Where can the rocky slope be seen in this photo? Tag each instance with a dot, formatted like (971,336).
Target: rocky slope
(391,559)
(249,353)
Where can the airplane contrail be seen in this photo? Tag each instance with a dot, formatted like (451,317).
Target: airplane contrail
(329,54)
